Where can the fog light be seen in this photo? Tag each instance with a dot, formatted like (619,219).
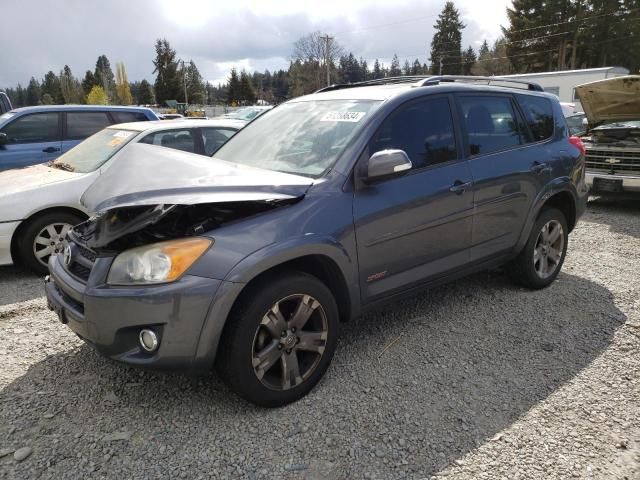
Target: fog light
(148,340)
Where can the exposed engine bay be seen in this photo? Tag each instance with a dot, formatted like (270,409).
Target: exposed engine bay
(128,227)
(614,136)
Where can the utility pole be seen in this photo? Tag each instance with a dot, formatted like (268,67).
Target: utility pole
(441,57)
(184,81)
(327,40)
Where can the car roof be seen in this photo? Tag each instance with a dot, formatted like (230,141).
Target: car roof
(154,125)
(71,108)
(387,91)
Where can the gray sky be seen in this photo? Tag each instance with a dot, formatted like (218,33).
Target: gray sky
(42,35)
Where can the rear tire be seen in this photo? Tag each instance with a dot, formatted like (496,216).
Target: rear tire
(280,339)
(540,261)
(42,236)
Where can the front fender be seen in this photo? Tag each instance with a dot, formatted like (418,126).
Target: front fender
(259,262)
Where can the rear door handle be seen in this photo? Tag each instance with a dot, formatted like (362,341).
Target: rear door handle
(538,167)
(51,150)
(459,187)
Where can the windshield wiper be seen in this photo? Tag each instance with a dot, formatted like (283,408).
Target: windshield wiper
(62,166)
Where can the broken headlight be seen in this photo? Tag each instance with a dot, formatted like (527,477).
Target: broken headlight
(157,263)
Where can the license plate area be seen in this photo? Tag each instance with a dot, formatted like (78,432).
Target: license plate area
(607,184)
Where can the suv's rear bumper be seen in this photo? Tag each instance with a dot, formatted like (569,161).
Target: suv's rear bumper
(110,317)
(629,183)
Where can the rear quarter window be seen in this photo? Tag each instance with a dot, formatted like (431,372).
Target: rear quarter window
(538,113)
(126,117)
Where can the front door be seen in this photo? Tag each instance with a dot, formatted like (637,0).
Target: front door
(416,226)
(33,138)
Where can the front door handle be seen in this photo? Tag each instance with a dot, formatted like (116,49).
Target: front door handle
(459,187)
(538,167)
(51,150)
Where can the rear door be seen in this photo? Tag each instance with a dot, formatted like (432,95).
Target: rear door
(32,138)
(508,170)
(82,124)
(416,226)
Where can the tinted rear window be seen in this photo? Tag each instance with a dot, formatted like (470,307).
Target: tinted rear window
(81,125)
(126,117)
(538,112)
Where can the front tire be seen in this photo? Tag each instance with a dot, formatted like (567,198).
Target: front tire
(280,340)
(541,259)
(42,237)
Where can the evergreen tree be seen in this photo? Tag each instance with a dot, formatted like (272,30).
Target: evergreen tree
(468,60)
(51,86)
(146,94)
(168,80)
(123,91)
(196,89)
(88,82)
(416,68)
(484,50)
(446,43)
(247,93)
(70,87)
(377,70)
(103,77)
(394,70)
(33,92)
(233,91)
(406,68)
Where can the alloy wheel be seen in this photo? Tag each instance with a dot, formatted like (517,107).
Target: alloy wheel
(549,248)
(49,241)
(289,342)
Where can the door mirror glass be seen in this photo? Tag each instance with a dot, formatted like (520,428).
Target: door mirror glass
(4,139)
(387,163)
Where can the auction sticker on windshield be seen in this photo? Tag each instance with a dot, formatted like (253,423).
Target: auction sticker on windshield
(122,134)
(343,117)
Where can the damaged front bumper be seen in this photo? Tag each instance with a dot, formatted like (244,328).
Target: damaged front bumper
(110,318)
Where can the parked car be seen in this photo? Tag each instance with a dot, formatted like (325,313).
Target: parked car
(612,139)
(33,135)
(39,204)
(247,114)
(322,208)
(5,103)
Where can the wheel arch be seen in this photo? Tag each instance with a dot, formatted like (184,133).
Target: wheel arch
(33,216)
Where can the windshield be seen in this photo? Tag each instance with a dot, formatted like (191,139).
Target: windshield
(94,151)
(245,113)
(302,138)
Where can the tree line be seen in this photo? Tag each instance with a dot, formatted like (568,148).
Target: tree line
(541,36)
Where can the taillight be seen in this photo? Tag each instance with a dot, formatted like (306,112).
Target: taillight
(577,142)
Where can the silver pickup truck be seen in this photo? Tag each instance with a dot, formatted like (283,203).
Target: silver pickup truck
(612,140)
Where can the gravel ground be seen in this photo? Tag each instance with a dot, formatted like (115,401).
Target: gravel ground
(476,379)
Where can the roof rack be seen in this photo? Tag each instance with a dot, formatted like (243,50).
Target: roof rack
(424,81)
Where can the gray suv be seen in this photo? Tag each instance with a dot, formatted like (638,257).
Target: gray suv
(319,210)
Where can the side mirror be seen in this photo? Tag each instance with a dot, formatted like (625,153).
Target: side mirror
(387,163)
(4,139)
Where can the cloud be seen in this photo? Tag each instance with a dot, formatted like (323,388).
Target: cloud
(216,35)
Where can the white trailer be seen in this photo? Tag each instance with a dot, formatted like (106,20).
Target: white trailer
(563,83)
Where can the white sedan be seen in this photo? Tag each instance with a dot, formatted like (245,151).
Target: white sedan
(39,204)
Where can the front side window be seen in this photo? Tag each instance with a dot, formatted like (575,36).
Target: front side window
(423,130)
(183,139)
(303,138)
(34,128)
(490,123)
(213,138)
(94,151)
(81,125)
(538,112)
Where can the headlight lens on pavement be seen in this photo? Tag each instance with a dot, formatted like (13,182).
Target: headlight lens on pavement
(157,263)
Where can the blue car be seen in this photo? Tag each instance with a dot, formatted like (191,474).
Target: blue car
(33,135)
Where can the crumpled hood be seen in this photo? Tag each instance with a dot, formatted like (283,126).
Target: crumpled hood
(30,178)
(611,100)
(150,175)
